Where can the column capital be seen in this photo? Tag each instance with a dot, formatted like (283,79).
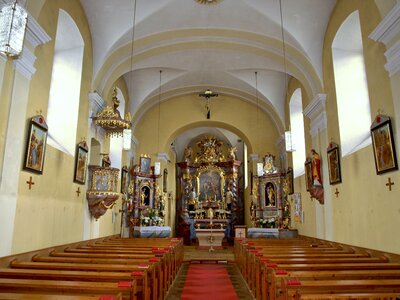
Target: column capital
(316,112)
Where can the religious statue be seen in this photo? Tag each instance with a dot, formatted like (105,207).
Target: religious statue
(210,213)
(269,164)
(188,154)
(317,190)
(252,211)
(231,153)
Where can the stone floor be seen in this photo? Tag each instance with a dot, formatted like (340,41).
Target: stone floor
(224,256)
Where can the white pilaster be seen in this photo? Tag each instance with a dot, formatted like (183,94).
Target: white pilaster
(280,145)
(24,64)
(253,157)
(316,112)
(163,156)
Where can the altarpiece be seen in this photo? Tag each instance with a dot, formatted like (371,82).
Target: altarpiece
(207,190)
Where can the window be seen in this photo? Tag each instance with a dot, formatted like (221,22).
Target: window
(351,86)
(65,86)
(297,129)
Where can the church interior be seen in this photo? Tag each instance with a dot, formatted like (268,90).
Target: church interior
(256,138)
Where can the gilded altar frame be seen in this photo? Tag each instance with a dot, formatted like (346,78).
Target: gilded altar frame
(210,183)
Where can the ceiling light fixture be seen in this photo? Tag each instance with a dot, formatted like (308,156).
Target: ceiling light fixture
(207,2)
(13,20)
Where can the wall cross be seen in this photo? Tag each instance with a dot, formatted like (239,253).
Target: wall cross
(389,183)
(78,191)
(337,193)
(30,182)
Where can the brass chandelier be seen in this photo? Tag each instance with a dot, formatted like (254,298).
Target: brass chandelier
(110,119)
(206,2)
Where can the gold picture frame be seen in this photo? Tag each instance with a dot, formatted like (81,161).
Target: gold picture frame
(81,159)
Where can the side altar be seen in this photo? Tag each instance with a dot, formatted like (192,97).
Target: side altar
(270,209)
(207,190)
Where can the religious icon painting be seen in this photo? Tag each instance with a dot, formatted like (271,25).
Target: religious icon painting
(309,176)
(36,145)
(333,154)
(81,159)
(383,145)
(124,175)
(145,164)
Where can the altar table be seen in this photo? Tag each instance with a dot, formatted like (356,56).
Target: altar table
(210,238)
(152,231)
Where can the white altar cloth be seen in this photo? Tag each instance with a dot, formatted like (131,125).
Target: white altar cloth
(263,233)
(152,231)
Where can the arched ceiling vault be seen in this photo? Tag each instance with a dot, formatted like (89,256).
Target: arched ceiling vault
(199,46)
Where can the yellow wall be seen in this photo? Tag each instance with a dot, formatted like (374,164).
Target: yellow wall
(184,112)
(52,213)
(365,212)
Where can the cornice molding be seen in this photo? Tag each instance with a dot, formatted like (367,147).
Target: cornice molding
(393,59)
(388,28)
(316,112)
(25,63)
(96,101)
(253,157)
(163,156)
(35,34)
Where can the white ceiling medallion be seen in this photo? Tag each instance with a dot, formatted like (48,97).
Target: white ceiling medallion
(206,2)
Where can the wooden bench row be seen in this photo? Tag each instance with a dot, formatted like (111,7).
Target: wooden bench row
(109,268)
(295,268)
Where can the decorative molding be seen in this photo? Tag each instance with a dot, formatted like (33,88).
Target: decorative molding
(163,156)
(393,59)
(25,63)
(97,102)
(35,34)
(254,157)
(388,28)
(316,112)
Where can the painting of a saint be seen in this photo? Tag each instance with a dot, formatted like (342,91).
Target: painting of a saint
(270,195)
(210,186)
(36,147)
(334,164)
(383,148)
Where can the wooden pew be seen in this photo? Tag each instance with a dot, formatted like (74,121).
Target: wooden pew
(68,287)
(294,289)
(27,296)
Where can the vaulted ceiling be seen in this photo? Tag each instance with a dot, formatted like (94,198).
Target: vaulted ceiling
(199,46)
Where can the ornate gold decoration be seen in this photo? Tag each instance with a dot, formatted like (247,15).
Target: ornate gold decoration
(210,150)
(110,119)
(210,168)
(269,164)
(102,192)
(207,2)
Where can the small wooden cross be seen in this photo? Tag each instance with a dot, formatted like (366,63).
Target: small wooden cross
(389,184)
(337,193)
(78,191)
(30,182)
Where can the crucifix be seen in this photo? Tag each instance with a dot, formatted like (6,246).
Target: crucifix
(30,182)
(337,193)
(389,184)
(78,191)
(208,94)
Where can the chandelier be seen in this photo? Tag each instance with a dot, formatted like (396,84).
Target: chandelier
(13,19)
(206,2)
(110,119)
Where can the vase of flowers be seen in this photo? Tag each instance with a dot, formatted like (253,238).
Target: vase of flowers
(151,218)
(267,223)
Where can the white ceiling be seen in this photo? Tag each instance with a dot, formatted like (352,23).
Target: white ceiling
(304,23)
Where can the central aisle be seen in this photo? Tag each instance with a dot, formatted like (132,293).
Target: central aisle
(208,281)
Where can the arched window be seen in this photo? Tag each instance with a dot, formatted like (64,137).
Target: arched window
(116,143)
(65,87)
(351,86)
(297,129)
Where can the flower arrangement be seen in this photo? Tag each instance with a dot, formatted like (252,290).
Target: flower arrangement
(267,223)
(151,218)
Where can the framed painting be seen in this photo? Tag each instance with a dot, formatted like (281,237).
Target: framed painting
(145,164)
(124,175)
(81,159)
(36,145)
(335,175)
(309,177)
(383,145)
(289,180)
(240,231)
(210,183)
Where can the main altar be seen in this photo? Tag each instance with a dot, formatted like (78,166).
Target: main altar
(207,190)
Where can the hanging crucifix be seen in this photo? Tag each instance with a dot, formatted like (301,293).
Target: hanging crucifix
(208,94)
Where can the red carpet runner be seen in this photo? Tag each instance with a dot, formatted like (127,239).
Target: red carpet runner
(208,282)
